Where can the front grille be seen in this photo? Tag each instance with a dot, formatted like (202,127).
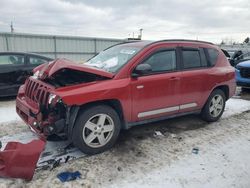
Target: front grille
(37,91)
(245,72)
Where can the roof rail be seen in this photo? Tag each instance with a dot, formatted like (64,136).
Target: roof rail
(183,40)
(165,40)
(123,42)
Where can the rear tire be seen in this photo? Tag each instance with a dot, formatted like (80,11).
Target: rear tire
(214,106)
(96,129)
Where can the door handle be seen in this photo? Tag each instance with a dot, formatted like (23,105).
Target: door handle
(174,78)
(140,86)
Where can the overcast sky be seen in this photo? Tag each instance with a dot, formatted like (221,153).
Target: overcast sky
(211,20)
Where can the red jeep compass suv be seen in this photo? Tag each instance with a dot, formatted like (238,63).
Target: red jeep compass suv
(125,85)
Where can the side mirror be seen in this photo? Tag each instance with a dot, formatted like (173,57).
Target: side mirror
(141,69)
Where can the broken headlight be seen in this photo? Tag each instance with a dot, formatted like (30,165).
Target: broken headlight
(52,98)
(54,101)
(36,74)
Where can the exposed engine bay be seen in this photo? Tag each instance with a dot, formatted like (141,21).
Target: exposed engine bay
(67,77)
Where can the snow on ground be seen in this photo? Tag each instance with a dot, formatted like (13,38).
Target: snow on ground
(235,106)
(8,112)
(140,159)
(217,165)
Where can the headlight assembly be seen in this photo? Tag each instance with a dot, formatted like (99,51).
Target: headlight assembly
(36,74)
(51,98)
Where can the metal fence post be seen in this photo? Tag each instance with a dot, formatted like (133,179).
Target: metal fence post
(55,50)
(95,46)
(7,43)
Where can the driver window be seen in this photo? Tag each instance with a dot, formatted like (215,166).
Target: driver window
(162,61)
(11,60)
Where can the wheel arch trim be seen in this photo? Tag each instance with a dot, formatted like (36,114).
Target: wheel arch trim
(73,111)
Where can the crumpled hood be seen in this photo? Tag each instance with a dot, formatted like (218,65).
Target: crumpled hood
(48,69)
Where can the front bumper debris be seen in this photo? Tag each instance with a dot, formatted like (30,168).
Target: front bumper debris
(19,160)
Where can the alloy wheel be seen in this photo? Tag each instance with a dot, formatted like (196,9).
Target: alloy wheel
(98,130)
(216,105)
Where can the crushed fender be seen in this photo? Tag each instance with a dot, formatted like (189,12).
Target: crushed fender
(19,160)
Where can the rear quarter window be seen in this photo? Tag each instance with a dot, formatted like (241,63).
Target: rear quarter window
(212,55)
(37,60)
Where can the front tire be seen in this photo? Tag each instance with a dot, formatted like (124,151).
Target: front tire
(214,106)
(97,129)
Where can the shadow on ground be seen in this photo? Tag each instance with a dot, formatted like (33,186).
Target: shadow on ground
(170,126)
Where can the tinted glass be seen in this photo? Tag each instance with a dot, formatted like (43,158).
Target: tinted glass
(162,61)
(11,60)
(37,60)
(191,59)
(213,55)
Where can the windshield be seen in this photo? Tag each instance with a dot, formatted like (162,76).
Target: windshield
(113,59)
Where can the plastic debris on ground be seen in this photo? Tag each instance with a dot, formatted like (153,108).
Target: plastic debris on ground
(68,176)
(173,135)
(19,160)
(158,134)
(50,156)
(179,138)
(195,150)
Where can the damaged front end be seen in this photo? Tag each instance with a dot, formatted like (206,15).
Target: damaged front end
(39,108)
(39,105)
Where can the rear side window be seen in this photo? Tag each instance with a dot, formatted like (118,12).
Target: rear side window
(213,55)
(162,61)
(37,60)
(191,59)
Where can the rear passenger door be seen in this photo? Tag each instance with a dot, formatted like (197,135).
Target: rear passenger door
(12,67)
(193,78)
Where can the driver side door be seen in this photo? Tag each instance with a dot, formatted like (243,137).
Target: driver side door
(157,94)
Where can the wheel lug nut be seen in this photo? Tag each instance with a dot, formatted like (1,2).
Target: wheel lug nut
(95,128)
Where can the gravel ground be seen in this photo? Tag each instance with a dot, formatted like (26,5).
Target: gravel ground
(141,159)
